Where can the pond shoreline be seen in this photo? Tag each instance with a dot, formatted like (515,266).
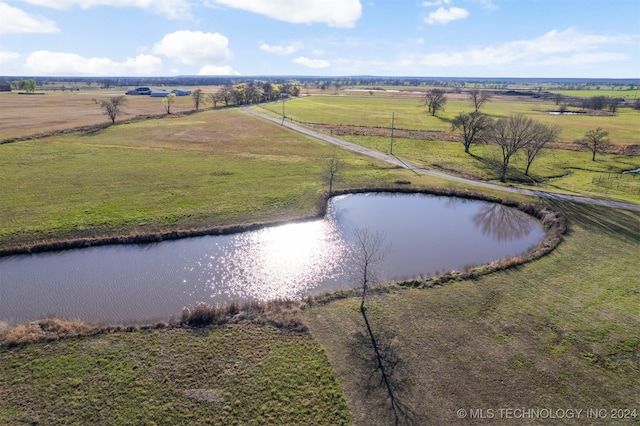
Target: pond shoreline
(538,212)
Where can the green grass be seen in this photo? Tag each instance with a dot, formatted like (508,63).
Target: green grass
(212,169)
(411,114)
(245,374)
(559,332)
(555,170)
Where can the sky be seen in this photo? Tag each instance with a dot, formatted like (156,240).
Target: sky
(433,38)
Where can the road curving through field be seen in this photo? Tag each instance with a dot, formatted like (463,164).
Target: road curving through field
(422,170)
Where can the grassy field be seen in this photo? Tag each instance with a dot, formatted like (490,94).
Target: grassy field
(560,171)
(555,170)
(206,170)
(25,115)
(252,375)
(410,113)
(560,332)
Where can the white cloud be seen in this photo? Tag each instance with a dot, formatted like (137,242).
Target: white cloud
(581,59)
(9,62)
(435,3)
(194,47)
(14,20)
(335,13)
(553,47)
(172,9)
(487,4)
(312,63)
(43,62)
(281,50)
(217,70)
(444,16)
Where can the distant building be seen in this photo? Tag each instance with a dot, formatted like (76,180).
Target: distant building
(181,92)
(4,86)
(160,93)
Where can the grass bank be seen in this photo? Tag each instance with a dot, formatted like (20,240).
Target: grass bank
(559,332)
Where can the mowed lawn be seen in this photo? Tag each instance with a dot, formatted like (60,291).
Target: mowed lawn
(211,169)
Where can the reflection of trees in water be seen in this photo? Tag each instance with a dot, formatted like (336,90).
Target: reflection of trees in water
(502,223)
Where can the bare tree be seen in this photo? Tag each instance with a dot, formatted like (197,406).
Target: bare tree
(113,107)
(435,99)
(226,93)
(472,125)
(198,98)
(479,97)
(558,98)
(332,173)
(595,140)
(511,135)
(613,103)
(541,135)
(502,223)
(371,250)
(214,98)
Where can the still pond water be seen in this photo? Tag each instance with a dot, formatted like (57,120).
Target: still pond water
(128,283)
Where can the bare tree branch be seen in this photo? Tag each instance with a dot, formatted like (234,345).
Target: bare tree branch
(479,97)
(113,107)
(472,125)
(595,140)
(434,100)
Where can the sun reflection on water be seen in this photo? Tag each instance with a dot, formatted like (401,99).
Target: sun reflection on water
(276,262)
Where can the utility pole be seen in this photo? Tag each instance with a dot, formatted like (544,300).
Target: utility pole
(283,112)
(393,116)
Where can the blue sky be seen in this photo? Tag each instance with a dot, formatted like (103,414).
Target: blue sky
(449,38)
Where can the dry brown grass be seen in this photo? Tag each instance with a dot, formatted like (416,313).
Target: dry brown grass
(26,115)
(282,314)
(44,329)
(286,314)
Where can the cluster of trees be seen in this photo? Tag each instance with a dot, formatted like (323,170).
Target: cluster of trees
(246,93)
(250,92)
(513,135)
(593,103)
(516,134)
(239,94)
(28,85)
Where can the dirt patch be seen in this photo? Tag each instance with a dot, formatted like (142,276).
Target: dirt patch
(434,135)
(428,135)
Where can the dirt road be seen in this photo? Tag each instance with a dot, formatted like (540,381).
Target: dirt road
(421,170)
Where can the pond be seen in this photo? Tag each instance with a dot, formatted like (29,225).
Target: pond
(134,283)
